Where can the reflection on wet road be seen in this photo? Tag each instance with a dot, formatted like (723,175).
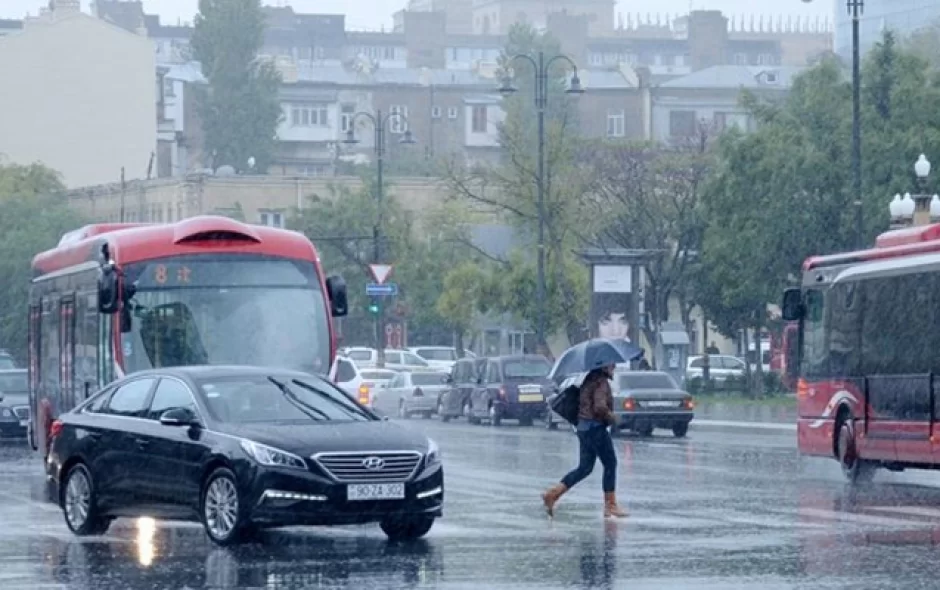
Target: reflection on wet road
(720,510)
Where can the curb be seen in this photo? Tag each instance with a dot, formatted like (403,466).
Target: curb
(726,424)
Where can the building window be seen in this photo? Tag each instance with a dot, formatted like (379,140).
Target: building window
(347,113)
(398,118)
(272,218)
(452,112)
(766,59)
(740,59)
(597,59)
(616,123)
(389,53)
(435,112)
(478,124)
(309,116)
(681,123)
(680,61)
(168,88)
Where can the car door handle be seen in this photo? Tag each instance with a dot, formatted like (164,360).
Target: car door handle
(142,442)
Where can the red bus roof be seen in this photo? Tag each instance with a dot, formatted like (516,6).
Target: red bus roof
(134,242)
(892,244)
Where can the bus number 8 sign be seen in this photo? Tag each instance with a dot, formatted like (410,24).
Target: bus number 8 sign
(161,274)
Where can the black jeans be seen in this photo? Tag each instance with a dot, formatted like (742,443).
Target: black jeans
(595,444)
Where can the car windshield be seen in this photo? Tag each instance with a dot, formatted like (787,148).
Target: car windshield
(227,310)
(526,369)
(360,355)
(437,354)
(13,382)
(646,381)
(427,378)
(263,399)
(378,375)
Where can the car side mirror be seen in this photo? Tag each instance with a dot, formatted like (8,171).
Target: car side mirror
(792,308)
(336,289)
(178,417)
(109,300)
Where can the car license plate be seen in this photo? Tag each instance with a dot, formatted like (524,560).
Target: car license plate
(660,404)
(375,491)
(531,397)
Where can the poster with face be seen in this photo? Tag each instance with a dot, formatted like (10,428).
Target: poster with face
(612,303)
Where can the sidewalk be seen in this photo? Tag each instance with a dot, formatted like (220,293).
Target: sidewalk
(719,415)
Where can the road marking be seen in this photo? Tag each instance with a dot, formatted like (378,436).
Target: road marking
(923,511)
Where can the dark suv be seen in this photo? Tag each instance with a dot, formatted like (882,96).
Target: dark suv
(463,379)
(513,388)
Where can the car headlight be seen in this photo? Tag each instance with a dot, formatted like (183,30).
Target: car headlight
(270,456)
(434,453)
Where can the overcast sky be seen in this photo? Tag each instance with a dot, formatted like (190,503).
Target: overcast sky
(374,14)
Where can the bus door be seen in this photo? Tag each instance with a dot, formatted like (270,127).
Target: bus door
(915,417)
(68,397)
(897,418)
(35,314)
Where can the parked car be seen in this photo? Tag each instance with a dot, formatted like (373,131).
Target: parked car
(644,400)
(6,360)
(240,449)
(464,378)
(513,388)
(412,392)
(397,360)
(346,375)
(14,404)
(720,367)
(380,377)
(438,357)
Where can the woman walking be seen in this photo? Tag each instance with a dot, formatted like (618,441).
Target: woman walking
(595,414)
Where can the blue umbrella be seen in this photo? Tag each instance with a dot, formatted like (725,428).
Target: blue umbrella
(594,354)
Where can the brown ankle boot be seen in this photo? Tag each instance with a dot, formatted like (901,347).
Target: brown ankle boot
(551,495)
(611,508)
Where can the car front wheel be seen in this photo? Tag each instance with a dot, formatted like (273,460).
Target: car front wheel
(221,508)
(80,503)
(406,528)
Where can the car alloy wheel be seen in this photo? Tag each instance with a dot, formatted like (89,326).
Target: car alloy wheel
(78,503)
(220,506)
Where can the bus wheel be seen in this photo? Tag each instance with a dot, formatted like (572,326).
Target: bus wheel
(855,469)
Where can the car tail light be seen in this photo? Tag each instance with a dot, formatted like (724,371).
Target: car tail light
(364,394)
(418,392)
(502,392)
(689,403)
(628,404)
(55,429)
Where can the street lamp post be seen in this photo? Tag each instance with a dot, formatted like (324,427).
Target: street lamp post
(541,67)
(919,209)
(379,123)
(856,8)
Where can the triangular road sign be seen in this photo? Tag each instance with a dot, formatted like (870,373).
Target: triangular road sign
(380,272)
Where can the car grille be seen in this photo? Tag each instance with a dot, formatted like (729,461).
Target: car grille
(395,466)
(21,412)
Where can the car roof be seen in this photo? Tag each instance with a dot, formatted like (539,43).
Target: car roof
(205,372)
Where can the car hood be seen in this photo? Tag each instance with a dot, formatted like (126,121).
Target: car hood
(653,394)
(307,439)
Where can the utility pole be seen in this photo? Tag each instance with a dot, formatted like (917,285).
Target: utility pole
(123,193)
(856,8)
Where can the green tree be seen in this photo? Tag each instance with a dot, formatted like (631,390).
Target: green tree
(648,197)
(467,291)
(240,110)
(33,217)
(509,190)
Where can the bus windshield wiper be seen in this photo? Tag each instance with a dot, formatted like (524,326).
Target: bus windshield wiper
(315,414)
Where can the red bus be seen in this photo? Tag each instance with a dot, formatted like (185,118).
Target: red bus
(867,362)
(113,299)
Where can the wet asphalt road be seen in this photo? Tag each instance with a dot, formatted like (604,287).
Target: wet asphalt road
(723,509)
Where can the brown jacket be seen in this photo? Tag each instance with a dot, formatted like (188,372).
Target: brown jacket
(596,400)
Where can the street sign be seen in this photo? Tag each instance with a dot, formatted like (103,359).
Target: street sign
(380,290)
(380,272)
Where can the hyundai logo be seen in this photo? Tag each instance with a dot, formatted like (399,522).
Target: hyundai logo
(373,463)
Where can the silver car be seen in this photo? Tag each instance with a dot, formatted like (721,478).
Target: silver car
(413,392)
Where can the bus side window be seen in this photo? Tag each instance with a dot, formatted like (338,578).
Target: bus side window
(86,344)
(815,357)
(845,329)
(49,356)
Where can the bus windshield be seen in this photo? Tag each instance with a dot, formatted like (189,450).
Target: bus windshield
(226,309)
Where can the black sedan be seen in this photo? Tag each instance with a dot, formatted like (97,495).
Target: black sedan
(644,400)
(240,449)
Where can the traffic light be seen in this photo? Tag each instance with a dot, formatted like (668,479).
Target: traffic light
(374,306)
